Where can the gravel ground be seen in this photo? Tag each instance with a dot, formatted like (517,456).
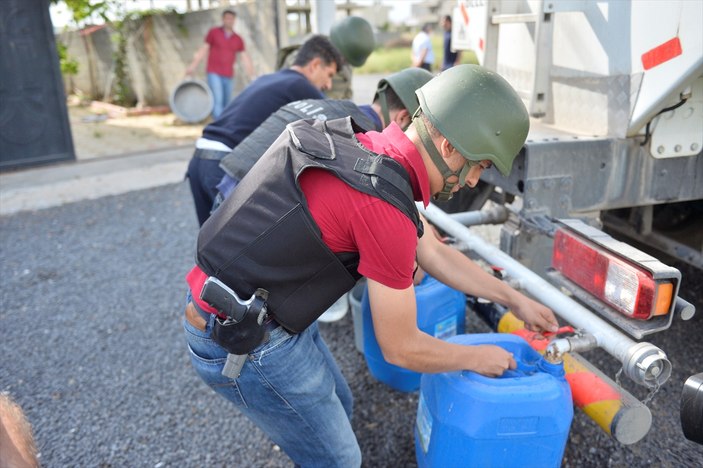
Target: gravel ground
(92,348)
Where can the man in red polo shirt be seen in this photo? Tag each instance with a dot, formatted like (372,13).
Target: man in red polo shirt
(222,46)
(324,205)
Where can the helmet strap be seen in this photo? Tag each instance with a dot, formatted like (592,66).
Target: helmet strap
(446,192)
(384,104)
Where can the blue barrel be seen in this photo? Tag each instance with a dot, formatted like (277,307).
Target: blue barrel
(441,312)
(520,419)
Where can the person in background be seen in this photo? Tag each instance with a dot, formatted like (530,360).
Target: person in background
(450,58)
(394,101)
(326,204)
(17,447)
(311,73)
(422,53)
(353,37)
(222,47)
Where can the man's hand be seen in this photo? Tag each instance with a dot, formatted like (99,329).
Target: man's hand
(493,361)
(197,57)
(537,317)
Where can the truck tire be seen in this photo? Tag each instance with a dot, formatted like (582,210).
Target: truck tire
(692,408)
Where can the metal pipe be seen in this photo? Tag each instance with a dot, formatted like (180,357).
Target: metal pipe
(572,344)
(644,363)
(617,412)
(496,215)
(684,309)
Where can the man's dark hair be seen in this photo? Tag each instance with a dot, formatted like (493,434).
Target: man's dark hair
(229,12)
(318,46)
(431,129)
(448,18)
(392,100)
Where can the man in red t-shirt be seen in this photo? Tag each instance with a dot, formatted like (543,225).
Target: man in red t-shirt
(222,46)
(469,120)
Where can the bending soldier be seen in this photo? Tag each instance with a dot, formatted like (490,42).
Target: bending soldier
(394,101)
(310,74)
(326,204)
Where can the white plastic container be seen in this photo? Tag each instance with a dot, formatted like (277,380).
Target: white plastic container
(355,296)
(337,311)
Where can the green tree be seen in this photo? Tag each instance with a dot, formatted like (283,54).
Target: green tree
(69,65)
(84,10)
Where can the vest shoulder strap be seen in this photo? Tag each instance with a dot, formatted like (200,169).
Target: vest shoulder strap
(332,145)
(248,152)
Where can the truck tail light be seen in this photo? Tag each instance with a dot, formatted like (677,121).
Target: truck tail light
(627,287)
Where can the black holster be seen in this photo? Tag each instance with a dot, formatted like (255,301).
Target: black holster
(243,336)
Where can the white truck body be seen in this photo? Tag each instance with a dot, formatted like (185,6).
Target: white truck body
(615,93)
(615,89)
(601,68)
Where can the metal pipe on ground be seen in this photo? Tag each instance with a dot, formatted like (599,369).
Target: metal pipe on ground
(642,362)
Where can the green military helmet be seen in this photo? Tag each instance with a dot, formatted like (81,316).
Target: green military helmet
(405,83)
(478,112)
(353,36)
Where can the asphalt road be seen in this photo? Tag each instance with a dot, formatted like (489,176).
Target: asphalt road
(91,347)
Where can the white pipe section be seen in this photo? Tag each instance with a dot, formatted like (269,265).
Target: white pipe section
(636,357)
(496,215)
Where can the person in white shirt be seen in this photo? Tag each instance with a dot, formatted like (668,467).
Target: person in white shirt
(422,54)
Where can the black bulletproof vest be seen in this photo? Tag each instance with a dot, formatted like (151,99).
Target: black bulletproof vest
(248,151)
(263,235)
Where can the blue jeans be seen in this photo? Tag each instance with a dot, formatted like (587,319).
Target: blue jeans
(221,87)
(224,190)
(291,388)
(203,177)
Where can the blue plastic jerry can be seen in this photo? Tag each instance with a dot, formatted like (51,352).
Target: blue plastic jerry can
(441,312)
(520,419)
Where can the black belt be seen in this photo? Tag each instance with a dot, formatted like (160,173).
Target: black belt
(270,324)
(214,155)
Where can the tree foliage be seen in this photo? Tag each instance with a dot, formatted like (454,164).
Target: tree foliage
(125,24)
(84,10)
(68,64)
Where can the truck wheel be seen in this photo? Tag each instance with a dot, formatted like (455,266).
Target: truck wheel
(673,216)
(692,408)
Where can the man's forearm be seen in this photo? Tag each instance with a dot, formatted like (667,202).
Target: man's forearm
(456,270)
(248,66)
(197,57)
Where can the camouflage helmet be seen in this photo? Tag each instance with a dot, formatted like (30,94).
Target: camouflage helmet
(478,112)
(353,37)
(404,83)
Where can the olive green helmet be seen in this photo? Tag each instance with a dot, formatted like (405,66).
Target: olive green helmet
(478,112)
(405,83)
(353,37)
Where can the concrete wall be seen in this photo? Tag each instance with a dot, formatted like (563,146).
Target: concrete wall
(93,51)
(160,47)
